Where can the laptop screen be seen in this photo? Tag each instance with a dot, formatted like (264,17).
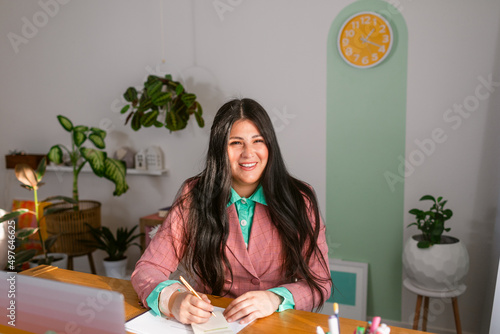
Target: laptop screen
(46,306)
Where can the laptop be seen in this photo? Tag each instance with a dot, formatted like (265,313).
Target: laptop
(44,306)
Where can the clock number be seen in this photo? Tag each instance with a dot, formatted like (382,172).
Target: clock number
(374,21)
(356,57)
(365,60)
(345,41)
(365,20)
(385,39)
(381,49)
(348,51)
(382,29)
(374,56)
(349,33)
(355,25)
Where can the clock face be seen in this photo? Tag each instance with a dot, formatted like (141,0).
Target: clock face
(365,39)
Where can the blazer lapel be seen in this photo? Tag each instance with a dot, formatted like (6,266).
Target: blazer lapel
(235,242)
(262,236)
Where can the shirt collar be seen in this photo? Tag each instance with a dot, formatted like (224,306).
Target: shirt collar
(257,196)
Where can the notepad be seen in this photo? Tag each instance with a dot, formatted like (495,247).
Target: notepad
(148,323)
(216,325)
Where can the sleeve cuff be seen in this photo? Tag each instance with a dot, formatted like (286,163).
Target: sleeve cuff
(152,299)
(288,301)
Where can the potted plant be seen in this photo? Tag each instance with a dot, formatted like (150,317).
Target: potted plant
(431,260)
(68,220)
(31,180)
(162,102)
(115,264)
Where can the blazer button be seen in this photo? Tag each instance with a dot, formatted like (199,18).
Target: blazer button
(255,281)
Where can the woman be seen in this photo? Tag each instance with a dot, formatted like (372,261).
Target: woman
(244,228)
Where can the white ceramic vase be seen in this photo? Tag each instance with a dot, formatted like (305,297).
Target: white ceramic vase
(441,267)
(61,263)
(115,269)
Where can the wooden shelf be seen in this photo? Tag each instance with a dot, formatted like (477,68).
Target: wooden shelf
(87,169)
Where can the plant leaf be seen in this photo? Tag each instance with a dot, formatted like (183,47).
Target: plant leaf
(116,171)
(24,256)
(55,154)
(448,213)
(13,214)
(162,98)
(79,137)
(60,198)
(149,118)
(125,109)
(97,140)
(81,128)
(415,211)
(188,99)
(40,171)
(199,119)
(428,197)
(158,124)
(50,211)
(179,89)
(65,122)
(26,175)
(26,232)
(50,241)
(154,87)
(423,244)
(136,121)
(96,160)
(99,132)
(131,94)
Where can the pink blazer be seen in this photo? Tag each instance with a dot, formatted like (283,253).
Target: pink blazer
(255,268)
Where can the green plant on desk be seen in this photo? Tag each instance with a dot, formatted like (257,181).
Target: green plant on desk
(431,222)
(31,180)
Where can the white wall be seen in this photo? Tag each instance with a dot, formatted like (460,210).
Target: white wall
(83,58)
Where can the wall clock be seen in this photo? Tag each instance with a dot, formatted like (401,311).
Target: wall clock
(365,40)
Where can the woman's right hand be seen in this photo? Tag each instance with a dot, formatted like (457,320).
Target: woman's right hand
(189,309)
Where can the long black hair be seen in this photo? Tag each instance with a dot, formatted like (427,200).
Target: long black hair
(292,205)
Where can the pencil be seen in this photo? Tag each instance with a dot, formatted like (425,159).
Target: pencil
(186,284)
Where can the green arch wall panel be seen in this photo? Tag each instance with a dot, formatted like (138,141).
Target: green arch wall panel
(366,123)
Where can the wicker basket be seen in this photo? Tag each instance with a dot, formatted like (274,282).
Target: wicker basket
(70,226)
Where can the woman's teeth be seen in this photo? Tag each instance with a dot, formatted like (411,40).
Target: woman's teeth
(248,165)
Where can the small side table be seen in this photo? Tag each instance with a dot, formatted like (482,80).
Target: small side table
(426,294)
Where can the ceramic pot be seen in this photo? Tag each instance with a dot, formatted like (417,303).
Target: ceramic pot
(116,269)
(61,260)
(441,267)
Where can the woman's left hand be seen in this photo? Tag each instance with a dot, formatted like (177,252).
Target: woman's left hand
(252,305)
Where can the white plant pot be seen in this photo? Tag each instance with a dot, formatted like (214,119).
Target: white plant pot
(115,269)
(62,263)
(441,267)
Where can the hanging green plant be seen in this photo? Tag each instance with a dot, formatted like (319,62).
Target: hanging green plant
(162,102)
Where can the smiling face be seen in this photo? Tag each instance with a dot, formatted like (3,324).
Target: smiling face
(247,152)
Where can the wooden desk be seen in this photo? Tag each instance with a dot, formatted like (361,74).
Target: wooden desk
(290,321)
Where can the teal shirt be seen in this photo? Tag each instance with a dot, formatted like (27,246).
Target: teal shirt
(245,208)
